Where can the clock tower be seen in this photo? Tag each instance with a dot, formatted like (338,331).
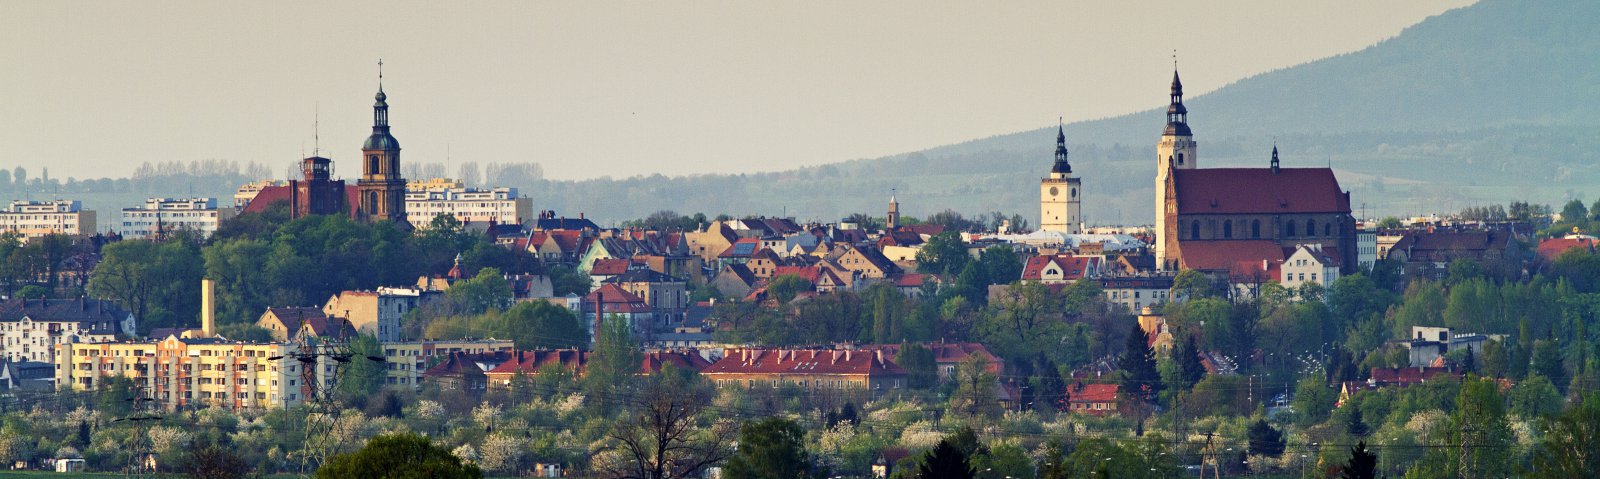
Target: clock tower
(382,190)
(1061,194)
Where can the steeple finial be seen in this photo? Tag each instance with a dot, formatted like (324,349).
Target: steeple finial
(1274,157)
(380,74)
(1061,166)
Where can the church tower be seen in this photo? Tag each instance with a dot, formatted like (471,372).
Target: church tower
(382,190)
(1175,152)
(1060,195)
(892,221)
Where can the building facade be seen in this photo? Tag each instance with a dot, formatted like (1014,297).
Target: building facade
(1060,193)
(382,190)
(426,201)
(30,329)
(160,216)
(186,373)
(1177,150)
(375,312)
(32,219)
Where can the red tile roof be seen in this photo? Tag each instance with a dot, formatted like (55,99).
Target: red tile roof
(1552,248)
(609,267)
(1259,190)
(807,272)
(618,300)
(803,361)
(1093,393)
(1072,267)
(910,280)
(681,360)
(1223,254)
(530,362)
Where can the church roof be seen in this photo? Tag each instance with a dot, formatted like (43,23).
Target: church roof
(1259,190)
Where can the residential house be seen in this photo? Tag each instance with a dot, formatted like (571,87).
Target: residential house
(604,269)
(1310,264)
(1551,248)
(1092,399)
(667,296)
(734,280)
(611,300)
(1062,268)
(375,312)
(1134,293)
(867,262)
(1429,253)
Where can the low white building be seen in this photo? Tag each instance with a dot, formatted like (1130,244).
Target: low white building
(1367,248)
(1309,264)
(32,219)
(375,312)
(429,199)
(164,215)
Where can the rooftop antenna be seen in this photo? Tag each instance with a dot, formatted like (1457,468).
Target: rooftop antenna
(316,130)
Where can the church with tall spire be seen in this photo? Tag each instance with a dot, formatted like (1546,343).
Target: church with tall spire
(382,189)
(1239,222)
(378,195)
(1061,193)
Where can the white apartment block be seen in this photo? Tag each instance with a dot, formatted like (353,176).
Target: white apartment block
(32,219)
(165,215)
(30,329)
(426,200)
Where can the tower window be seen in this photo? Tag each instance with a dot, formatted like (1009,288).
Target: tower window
(1227,229)
(372,165)
(1255,229)
(1180,158)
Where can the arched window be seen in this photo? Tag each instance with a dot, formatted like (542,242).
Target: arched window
(1227,229)
(1194,230)
(372,165)
(1255,229)
(1288,229)
(1180,158)
(1327,229)
(1311,228)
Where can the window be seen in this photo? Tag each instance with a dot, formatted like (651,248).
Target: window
(1194,230)
(1227,229)
(1288,229)
(1327,229)
(1255,229)
(1311,228)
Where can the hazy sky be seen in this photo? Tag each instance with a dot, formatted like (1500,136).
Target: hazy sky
(92,89)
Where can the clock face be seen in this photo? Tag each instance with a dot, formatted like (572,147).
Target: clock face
(1054,191)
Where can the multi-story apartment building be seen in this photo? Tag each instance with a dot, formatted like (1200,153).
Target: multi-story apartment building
(31,328)
(32,219)
(375,312)
(806,368)
(428,199)
(182,373)
(164,215)
(407,360)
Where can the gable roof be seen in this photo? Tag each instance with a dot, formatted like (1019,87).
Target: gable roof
(743,248)
(1093,393)
(739,271)
(79,310)
(1072,267)
(644,276)
(609,267)
(617,300)
(682,360)
(1259,190)
(809,273)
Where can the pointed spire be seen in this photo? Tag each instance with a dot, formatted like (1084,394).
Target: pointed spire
(1061,166)
(1274,158)
(1177,115)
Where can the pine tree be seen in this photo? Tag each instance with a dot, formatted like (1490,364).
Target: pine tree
(1140,379)
(1355,425)
(1362,465)
(1188,358)
(945,462)
(1469,364)
(1265,440)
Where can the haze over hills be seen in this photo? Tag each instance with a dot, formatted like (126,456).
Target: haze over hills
(1482,104)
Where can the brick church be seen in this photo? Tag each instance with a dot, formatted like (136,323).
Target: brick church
(1218,219)
(379,194)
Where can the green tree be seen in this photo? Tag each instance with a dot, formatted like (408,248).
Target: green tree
(772,448)
(399,456)
(366,373)
(943,254)
(565,280)
(156,281)
(1534,397)
(919,362)
(1001,265)
(1140,379)
(1567,447)
(1313,400)
(1192,284)
(615,359)
(785,287)
(944,462)
(661,434)
(1265,439)
(975,394)
(1187,356)
(1482,430)
(1362,464)
(1574,212)
(485,291)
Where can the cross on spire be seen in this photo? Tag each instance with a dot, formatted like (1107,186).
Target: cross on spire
(380,73)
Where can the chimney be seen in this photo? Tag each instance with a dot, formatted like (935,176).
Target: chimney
(208,308)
